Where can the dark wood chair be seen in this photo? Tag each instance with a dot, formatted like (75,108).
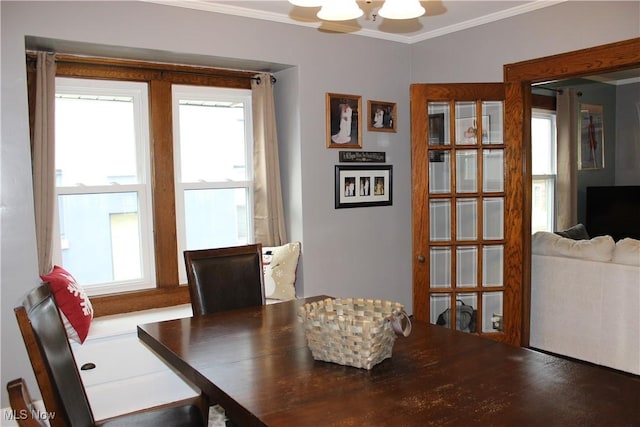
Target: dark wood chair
(59,380)
(225,278)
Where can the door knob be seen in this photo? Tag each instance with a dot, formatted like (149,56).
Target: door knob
(421,259)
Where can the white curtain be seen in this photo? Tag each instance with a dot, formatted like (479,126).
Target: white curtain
(269,228)
(567,167)
(43,159)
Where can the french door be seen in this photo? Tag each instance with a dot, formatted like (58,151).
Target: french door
(467,215)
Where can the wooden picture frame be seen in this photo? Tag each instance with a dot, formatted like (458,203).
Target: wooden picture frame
(344,129)
(591,148)
(363,185)
(382,116)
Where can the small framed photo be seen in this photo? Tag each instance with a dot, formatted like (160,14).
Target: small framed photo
(363,185)
(382,116)
(344,129)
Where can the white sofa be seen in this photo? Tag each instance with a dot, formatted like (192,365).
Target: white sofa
(585,299)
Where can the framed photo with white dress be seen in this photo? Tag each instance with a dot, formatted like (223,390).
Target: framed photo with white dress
(344,129)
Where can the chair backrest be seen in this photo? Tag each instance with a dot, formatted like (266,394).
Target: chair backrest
(225,278)
(52,359)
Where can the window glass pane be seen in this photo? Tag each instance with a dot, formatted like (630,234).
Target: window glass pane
(543,146)
(215,218)
(100,236)
(440,266)
(467,219)
(212,140)
(95,138)
(440,220)
(542,204)
(102,184)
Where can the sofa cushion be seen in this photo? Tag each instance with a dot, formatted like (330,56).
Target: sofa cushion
(577,232)
(597,249)
(75,308)
(627,252)
(280,264)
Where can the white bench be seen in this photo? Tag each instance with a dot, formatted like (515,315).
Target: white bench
(128,376)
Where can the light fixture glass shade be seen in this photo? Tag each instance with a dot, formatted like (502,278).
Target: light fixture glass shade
(306,3)
(339,10)
(401,9)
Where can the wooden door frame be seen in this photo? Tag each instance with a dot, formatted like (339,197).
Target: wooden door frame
(518,78)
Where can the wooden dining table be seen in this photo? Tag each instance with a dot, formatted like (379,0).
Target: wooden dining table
(256,364)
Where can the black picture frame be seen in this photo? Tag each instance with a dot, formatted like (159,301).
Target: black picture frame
(363,186)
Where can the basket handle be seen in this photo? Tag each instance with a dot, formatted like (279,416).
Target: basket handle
(396,324)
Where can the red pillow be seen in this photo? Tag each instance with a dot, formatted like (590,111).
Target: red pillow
(74,305)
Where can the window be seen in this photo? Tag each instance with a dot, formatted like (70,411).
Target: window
(129,204)
(213,168)
(544,153)
(102,184)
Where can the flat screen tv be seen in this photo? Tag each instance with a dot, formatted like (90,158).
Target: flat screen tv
(613,211)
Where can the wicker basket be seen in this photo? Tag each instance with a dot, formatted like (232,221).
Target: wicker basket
(354,332)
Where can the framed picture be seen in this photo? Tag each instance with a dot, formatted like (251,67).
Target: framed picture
(344,129)
(591,148)
(382,116)
(363,185)
(467,130)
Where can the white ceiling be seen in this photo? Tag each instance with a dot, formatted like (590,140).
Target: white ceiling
(441,17)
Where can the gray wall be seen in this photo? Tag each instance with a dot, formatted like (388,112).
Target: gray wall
(347,252)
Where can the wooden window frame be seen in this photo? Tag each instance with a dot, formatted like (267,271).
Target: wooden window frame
(159,77)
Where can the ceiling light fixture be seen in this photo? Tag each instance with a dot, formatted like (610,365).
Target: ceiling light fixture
(339,10)
(401,9)
(344,10)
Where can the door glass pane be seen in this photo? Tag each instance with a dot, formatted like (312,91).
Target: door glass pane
(466,171)
(440,267)
(493,218)
(215,218)
(492,265)
(466,266)
(492,312)
(440,220)
(466,316)
(492,122)
(439,172)
(439,117)
(493,170)
(466,123)
(467,219)
(437,305)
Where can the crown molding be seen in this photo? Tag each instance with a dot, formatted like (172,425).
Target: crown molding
(237,10)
